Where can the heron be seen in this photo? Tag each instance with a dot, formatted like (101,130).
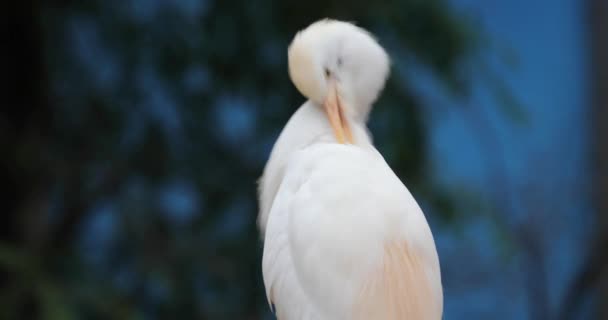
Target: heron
(343,236)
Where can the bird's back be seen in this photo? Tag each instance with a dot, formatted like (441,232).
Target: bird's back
(346,240)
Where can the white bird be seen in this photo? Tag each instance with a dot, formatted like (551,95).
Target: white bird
(343,237)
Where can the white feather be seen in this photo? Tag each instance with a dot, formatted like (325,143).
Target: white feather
(328,211)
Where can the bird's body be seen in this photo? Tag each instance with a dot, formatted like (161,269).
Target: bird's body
(344,238)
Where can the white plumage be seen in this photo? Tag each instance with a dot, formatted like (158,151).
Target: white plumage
(344,238)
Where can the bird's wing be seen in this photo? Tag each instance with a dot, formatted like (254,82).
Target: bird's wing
(283,289)
(353,242)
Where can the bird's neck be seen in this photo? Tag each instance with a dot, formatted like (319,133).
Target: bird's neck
(308,125)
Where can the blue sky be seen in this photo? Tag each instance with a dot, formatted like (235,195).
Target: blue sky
(545,158)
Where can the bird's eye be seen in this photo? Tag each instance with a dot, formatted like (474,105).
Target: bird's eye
(327,73)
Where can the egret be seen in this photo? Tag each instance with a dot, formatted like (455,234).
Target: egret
(343,237)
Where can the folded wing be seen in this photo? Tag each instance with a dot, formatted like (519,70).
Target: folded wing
(346,239)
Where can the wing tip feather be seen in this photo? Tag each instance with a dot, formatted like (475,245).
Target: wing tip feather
(399,289)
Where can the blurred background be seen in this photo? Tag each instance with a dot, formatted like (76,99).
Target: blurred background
(134,131)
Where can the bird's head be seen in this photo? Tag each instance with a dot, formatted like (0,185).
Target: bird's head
(340,67)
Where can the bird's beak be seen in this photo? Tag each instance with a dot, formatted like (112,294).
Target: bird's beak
(335,112)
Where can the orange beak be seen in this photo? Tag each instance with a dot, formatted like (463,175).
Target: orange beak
(335,113)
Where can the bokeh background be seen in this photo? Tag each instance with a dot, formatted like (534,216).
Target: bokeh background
(134,132)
